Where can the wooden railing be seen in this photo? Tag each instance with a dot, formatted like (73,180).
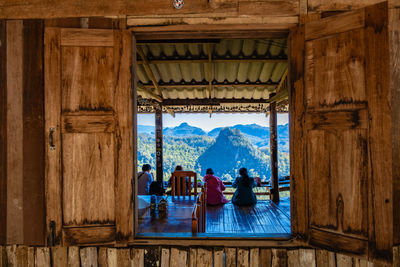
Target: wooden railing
(199,212)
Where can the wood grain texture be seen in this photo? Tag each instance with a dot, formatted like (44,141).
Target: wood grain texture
(344,80)
(230,256)
(298,204)
(335,24)
(88,124)
(265,257)
(42,257)
(337,181)
(138,257)
(3,132)
(265,8)
(204,258)
(307,257)
(33,138)
(192,257)
(334,241)
(11,255)
(344,260)
(124,257)
(273,137)
(89,235)
(88,257)
(22,256)
(60,256)
(394,41)
(73,257)
(293,258)
(52,81)
(165,257)
(396,256)
(254,257)
(178,257)
(87,78)
(326,5)
(112,259)
(123,109)
(279,258)
(102,258)
(15,233)
(90,37)
(152,256)
(379,101)
(331,120)
(325,258)
(242,258)
(219,257)
(88,184)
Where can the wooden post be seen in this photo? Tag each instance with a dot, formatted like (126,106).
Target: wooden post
(273,144)
(159,143)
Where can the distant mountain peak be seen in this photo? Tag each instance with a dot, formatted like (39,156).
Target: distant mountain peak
(184,129)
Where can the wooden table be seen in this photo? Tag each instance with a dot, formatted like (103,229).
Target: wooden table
(178,216)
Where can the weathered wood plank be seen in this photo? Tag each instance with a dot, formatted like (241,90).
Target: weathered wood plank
(138,257)
(123,109)
(192,257)
(124,257)
(242,257)
(332,25)
(165,259)
(88,257)
(31,257)
(204,258)
(112,259)
(254,257)
(327,120)
(293,258)
(11,255)
(279,258)
(152,256)
(33,138)
(88,124)
(344,5)
(89,235)
(15,223)
(273,141)
(396,256)
(218,257)
(265,8)
(307,257)
(52,81)
(325,258)
(343,260)
(86,37)
(394,43)
(378,89)
(3,256)
(60,256)
(102,257)
(42,258)
(3,133)
(179,257)
(73,257)
(362,263)
(230,256)
(265,257)
(298,199)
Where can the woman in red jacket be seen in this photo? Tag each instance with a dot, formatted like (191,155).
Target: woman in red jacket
(214,189)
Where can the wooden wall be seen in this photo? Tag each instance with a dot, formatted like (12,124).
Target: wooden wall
(179,256)
(22,142)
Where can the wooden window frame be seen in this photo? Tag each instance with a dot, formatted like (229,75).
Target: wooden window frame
(160,33)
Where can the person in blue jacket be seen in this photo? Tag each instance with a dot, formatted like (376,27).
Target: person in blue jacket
(244,195)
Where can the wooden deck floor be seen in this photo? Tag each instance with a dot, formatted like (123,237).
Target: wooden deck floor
(265,219)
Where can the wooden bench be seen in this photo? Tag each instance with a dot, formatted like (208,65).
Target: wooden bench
(199,212)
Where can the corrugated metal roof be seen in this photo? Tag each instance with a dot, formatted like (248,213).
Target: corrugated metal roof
(244,69)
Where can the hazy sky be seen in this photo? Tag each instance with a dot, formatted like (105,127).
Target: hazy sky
(206,123)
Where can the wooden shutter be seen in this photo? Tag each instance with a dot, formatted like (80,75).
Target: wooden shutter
(340,133)
(88,111)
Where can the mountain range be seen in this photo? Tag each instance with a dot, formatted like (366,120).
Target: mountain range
(258,135)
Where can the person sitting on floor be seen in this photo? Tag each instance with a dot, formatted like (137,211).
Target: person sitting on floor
(214,189)
(244,195)
(144,180)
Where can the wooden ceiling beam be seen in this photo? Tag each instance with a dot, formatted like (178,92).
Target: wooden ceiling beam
(283,80)
(148,70)
(211,101)
(210,71)
(230,60)
(153,95)
(269,86)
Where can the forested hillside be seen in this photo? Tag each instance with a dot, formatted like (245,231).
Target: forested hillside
(223,149)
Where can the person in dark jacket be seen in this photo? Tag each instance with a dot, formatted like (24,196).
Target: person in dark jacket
(244,195)
(214,189)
